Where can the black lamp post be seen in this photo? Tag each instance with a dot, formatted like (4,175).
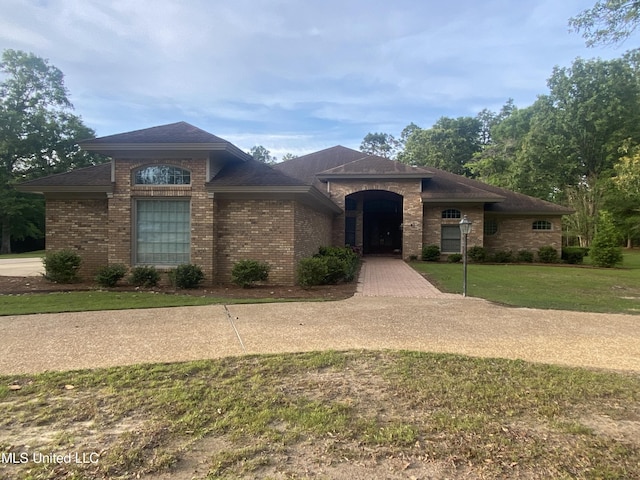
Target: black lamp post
(465,229)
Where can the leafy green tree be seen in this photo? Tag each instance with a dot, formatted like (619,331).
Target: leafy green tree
(605,249)
(449,145)
(381,144)
(607,22)
(261,154)
(289,156)
(38,135)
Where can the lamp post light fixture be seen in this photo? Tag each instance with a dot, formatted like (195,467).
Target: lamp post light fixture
(465,229)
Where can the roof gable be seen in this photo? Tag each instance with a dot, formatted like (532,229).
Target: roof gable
(180,136)
(374,166)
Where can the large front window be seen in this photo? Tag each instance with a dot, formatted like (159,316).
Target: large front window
(450,239)
(163,232)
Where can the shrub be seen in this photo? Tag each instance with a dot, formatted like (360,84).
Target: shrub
(502,256)
(109,275)
(62,266)
(336,269)
(524,256)
(548,254)
(605,250)
(477,254)
(186,276)
(342,263)
(312,271)
(431,253)
(247,272)
(454,258)
(145,276)
(574,255)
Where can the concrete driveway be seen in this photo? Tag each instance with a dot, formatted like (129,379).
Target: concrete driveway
(35,343)
(395,308)
(21,267)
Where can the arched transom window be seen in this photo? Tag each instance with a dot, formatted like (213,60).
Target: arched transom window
(541,225)
(162,175)
(451,213)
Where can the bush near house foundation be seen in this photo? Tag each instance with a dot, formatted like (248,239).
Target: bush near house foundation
(246,273)
(574,255)
(186,276)
(454,258)
(144,276)
(330,265)
(548,254)
(110,275)
(430,253)
(477,254)
(62,266)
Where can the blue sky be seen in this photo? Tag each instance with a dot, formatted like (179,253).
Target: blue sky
(296,75)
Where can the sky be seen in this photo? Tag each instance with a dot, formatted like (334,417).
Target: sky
(297,76)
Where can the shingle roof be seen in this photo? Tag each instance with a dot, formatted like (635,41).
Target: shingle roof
(173,136)
(372,165)
(97,176)
(306,167)
(179,132)
(253,173)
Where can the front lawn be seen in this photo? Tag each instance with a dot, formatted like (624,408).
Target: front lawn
(562,287)
(323,415)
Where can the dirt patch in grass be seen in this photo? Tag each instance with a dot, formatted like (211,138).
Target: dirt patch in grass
(23,285)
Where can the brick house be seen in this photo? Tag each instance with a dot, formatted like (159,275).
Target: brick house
(176,194)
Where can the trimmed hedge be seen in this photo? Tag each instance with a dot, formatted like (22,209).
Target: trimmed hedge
(186,276)
(110,275)
(430,253)
(330,265)
(574,255)
(144,276)
(62,266)
(246,273)
(548,254)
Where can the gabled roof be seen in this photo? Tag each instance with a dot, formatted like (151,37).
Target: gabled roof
(372,166)
(306,167)
(179,136)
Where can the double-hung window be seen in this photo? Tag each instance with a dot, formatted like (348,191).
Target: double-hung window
(162,232)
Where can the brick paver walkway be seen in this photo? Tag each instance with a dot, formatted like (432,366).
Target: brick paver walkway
(392,277)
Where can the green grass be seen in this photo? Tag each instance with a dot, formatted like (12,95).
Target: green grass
(247,417)
(562,287)
(29,303)
(34,254)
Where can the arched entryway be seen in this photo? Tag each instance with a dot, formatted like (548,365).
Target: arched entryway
(373,221)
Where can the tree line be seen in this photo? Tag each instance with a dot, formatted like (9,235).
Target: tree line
(578,144)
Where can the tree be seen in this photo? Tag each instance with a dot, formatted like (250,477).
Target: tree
(288,156)
(261,154)
(607,22)
(381,144)
(605,250)
(449,145)
(38,136)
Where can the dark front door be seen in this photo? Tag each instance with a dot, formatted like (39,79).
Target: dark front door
(382,220)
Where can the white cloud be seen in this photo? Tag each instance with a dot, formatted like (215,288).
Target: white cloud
(309,71)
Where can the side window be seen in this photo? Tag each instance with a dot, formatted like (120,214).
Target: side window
(162,232)
(490,227)
(162,175)
(541,225)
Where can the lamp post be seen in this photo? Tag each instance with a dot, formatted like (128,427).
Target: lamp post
(465,228)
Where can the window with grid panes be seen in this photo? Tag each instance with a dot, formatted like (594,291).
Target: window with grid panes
(163,232)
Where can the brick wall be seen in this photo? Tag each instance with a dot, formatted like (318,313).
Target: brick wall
(260,230)
(312,231)
(516,233)
(81,225)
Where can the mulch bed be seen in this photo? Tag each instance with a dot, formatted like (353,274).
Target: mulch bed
(22,285)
